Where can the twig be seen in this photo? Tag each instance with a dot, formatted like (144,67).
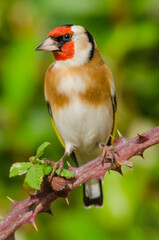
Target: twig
(112,159)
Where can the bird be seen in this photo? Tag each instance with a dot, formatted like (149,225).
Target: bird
(81,99)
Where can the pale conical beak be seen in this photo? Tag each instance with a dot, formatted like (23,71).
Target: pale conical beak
(50,44)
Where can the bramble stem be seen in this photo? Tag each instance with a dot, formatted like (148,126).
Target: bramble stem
(112,159)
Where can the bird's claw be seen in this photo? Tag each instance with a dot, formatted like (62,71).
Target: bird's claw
(108,153)
(57,165)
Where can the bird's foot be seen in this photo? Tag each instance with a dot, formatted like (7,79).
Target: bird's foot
(102,145)
(57,165)
(50,161)
(108,153)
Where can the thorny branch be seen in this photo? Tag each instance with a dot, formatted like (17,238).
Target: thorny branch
(112,158)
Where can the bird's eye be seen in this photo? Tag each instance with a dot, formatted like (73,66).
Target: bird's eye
(67,37)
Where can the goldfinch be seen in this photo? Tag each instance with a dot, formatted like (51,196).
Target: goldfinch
(80,94)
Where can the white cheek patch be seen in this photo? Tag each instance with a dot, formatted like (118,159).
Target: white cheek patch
(81,56)
(82,49)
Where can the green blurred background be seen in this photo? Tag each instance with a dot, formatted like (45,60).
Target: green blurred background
(127,34)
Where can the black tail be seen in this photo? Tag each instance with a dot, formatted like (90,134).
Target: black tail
(92,193)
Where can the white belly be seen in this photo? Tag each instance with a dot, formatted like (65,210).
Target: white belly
(83,127)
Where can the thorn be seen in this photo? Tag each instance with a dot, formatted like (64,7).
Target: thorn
(129,164)
(69,165)
(141,154)
(142,138)
(101,178)
(102,181)
(126,163)
(34,225)
(29,204)
(123,176)
(48,210)
(112,137)
(120,135)
(118,169)
(10,199)
(67,200)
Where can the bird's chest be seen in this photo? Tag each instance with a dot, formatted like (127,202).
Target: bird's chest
(80,111)
(83,125)
(71,86)
(63,88)
(66,86)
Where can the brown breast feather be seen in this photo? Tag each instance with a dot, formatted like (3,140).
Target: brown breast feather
(96,75)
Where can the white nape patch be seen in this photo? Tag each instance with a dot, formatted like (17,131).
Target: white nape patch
(82,48)
(72,84)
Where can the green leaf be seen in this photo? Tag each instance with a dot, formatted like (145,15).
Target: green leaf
(65,173)
(19,168)
(34,177)
(41,148)
(47,169)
